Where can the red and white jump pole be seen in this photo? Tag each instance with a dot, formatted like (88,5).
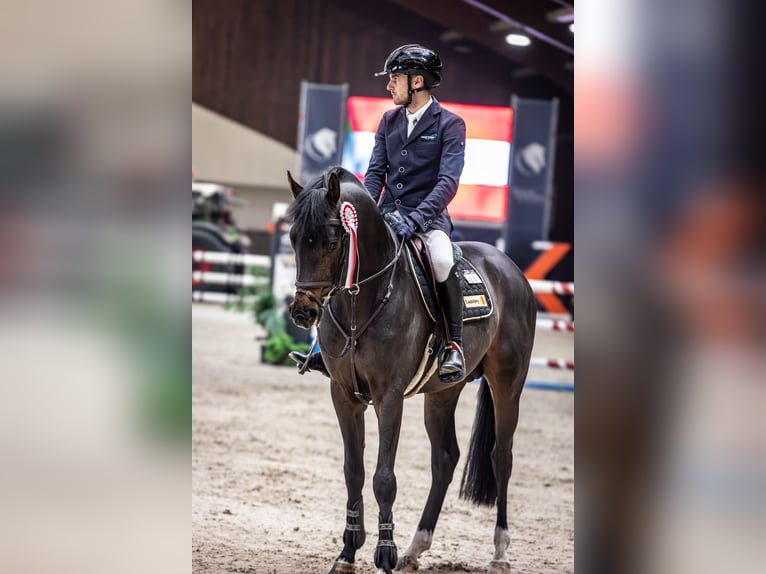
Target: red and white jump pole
(543,363)
(554,325)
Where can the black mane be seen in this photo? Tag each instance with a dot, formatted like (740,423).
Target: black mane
(311,209)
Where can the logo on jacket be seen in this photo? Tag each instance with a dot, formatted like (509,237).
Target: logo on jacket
(429,138)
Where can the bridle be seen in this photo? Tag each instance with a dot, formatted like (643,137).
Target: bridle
(336,288)
(303,287)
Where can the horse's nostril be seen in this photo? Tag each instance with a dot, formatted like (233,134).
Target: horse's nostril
(304,316)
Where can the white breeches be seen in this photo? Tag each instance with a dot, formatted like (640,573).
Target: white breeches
(440,246)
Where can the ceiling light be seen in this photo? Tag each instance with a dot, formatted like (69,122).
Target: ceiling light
(562,15)
(571,27)
(516,39)
(450,36)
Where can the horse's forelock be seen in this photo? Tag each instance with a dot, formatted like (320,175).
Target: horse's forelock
(311,209)
(309,212)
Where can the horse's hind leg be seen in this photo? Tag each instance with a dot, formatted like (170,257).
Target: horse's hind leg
(506,398)
(350,415)
(439,411)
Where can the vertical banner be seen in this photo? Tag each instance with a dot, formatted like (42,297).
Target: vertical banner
(530,193)
(321,128)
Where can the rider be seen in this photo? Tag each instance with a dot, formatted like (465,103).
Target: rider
(415,169)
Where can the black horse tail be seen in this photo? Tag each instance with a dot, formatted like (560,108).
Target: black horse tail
(478,484)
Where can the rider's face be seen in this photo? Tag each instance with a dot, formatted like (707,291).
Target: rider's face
(397,86)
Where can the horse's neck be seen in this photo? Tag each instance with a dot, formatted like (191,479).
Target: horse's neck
(377,248)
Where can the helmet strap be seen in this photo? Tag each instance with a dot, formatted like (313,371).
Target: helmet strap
(411,90)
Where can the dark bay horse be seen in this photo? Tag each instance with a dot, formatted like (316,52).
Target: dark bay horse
(373,332)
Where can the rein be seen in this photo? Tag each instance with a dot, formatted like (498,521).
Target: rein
(357,332)
(353,290)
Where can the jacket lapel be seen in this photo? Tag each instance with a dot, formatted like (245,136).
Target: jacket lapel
(427,122)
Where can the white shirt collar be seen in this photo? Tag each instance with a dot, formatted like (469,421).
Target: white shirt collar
(419,114)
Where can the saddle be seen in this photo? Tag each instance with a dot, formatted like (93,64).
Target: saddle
(477,303)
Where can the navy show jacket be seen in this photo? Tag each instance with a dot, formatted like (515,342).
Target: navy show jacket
(421,172)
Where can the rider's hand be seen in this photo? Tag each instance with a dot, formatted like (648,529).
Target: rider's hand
(404,228)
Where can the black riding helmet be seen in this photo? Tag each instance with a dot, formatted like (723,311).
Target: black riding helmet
(412,59)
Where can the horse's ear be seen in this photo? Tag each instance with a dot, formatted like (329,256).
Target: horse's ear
(295,187)
(333,188)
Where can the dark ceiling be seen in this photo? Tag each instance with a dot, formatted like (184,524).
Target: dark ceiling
(477,25)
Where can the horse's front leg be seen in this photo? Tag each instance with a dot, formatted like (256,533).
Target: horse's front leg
(350,413)
(389,412)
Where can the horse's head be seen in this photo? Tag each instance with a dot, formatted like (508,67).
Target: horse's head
(319,241)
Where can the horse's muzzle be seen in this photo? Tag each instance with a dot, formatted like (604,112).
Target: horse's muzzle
(303,311)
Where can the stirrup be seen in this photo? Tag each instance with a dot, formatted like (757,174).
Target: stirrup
(309,362)
(301,359)
(457,372)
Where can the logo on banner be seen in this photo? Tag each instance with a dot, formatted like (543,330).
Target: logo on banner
(530,160)
(321,145)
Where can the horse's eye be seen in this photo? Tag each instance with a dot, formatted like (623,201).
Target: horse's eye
(332,240)
(310,240)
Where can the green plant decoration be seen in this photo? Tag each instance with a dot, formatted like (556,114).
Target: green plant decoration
(278,341)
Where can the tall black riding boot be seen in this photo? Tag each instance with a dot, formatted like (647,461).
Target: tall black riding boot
(314,362)
(452,367)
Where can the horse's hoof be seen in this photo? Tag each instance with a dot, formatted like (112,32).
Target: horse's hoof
(342,568)
(407,564)
(499,567)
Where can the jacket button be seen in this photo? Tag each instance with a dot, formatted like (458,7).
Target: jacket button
(404,152)
(398,201)
(399,186)
(428,223)
(401,170)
